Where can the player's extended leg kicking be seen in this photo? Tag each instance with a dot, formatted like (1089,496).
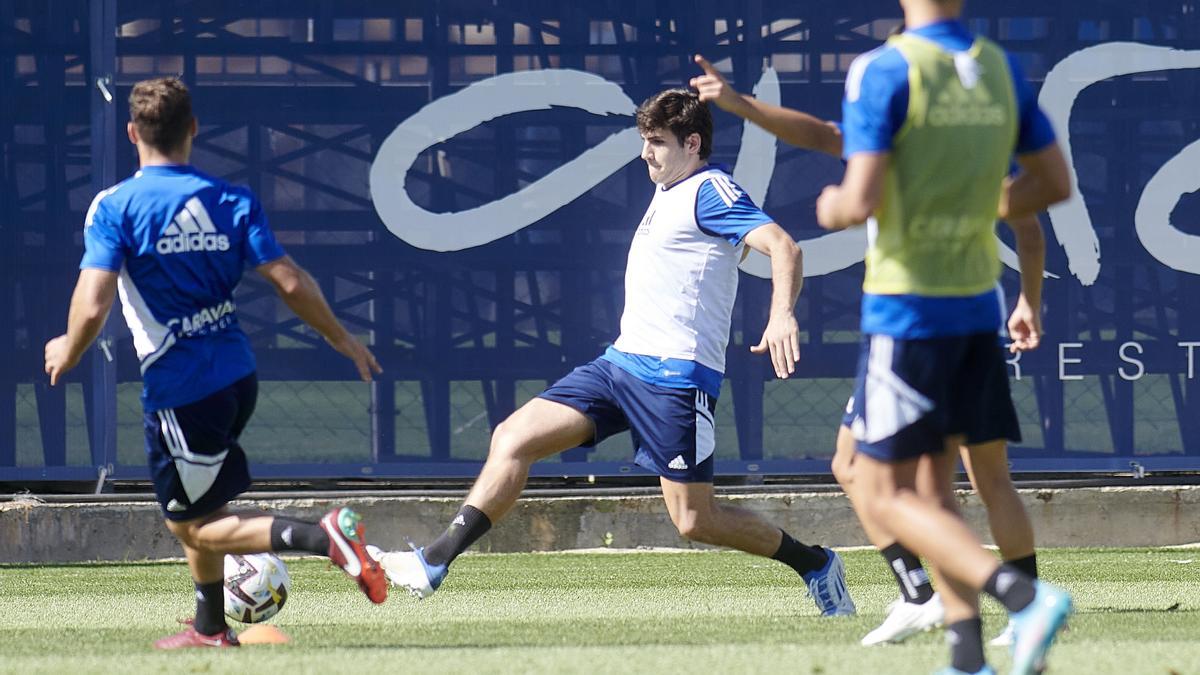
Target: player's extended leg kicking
(174,242)
(662,376)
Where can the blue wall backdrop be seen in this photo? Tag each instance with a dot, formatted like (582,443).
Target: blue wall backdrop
(461,178)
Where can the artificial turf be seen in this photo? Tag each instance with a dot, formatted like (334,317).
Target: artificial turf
(687,612)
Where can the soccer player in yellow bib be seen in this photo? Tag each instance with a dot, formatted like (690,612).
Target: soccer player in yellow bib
(919,607)
(931,120)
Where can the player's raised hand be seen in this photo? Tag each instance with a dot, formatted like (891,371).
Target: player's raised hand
(782,339)
(713,87)
(58,358)
(364,360)
(1024,327)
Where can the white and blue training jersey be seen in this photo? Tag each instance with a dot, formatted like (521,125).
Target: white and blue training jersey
(180,240)
(681,282)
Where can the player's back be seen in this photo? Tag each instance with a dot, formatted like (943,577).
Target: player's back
(937,217)
(180,240)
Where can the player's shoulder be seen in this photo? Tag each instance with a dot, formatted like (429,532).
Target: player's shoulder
(109,200)
(717,183)
(883,66)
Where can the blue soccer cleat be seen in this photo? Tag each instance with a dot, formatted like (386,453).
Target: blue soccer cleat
(1036,626)
(827,586)
(408,569)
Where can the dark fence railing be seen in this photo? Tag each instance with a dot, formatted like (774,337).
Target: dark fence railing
(300,100)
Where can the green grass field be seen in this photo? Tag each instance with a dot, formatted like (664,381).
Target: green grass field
(1138,612)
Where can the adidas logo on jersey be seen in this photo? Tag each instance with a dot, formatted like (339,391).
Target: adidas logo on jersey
(191,230)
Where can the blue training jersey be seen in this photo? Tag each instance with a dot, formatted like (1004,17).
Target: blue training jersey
(874,111)
(180,240)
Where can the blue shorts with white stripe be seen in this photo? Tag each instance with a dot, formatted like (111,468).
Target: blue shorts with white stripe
(195,460)
(673,429)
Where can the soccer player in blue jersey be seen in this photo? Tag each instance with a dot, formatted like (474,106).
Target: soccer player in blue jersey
(920,608)
(662,376)
(173,242)
(932,120)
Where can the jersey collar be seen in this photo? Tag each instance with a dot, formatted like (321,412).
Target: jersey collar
(706,167)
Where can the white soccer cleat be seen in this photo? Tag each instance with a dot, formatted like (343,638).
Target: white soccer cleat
(906,619)
(409,570)
(1004,639)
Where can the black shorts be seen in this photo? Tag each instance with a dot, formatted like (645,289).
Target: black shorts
(911,394)
(195,460)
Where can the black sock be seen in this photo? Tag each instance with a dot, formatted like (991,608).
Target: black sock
(910,574)
(297,535)
(469,524)
(803,559)
(1028,565)
(966,645)
(210,608)
(1011,587)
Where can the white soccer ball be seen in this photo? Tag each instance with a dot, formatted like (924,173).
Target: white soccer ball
(256,586)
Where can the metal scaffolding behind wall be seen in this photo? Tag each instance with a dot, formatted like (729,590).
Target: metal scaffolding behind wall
(295,98)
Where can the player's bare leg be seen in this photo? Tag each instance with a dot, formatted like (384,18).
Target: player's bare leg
(698,516)
(918,608)
(922,520)
(987,467)
(207,566)
(539,429)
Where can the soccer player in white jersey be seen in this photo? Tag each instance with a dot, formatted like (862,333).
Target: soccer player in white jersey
(919,607)
(661,378)
(173,242)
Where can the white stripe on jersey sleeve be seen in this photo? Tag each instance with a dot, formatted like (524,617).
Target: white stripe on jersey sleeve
(91,212)
(722,192)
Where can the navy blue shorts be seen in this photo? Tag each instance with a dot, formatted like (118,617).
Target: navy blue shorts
(911,394)
(195,460)
(673,429)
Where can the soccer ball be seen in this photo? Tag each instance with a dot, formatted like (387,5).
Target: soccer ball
(256,586)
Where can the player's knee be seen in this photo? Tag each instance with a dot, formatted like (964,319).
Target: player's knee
(991,487)
(507,442)
(187,532)
(695,526)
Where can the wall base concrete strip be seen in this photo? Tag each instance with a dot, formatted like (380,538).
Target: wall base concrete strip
(31,531)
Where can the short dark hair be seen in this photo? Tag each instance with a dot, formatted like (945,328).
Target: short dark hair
(161,110)
(680,111)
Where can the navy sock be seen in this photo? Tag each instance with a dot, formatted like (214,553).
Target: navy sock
(1011,587)
(469,524)
(966,645)
(210,608)
(1028,565)
(910,574)
(297,535)
(803,559)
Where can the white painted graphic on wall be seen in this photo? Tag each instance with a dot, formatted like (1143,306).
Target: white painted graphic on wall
(512,93)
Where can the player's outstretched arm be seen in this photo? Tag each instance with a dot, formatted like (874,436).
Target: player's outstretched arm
(90,303)
(852,202)
(1025,323)
(302,294)
(782,335)
(790,126)
(1044,180)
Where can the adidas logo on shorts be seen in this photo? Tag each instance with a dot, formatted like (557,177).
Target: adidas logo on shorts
(678,464)
(191,230)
